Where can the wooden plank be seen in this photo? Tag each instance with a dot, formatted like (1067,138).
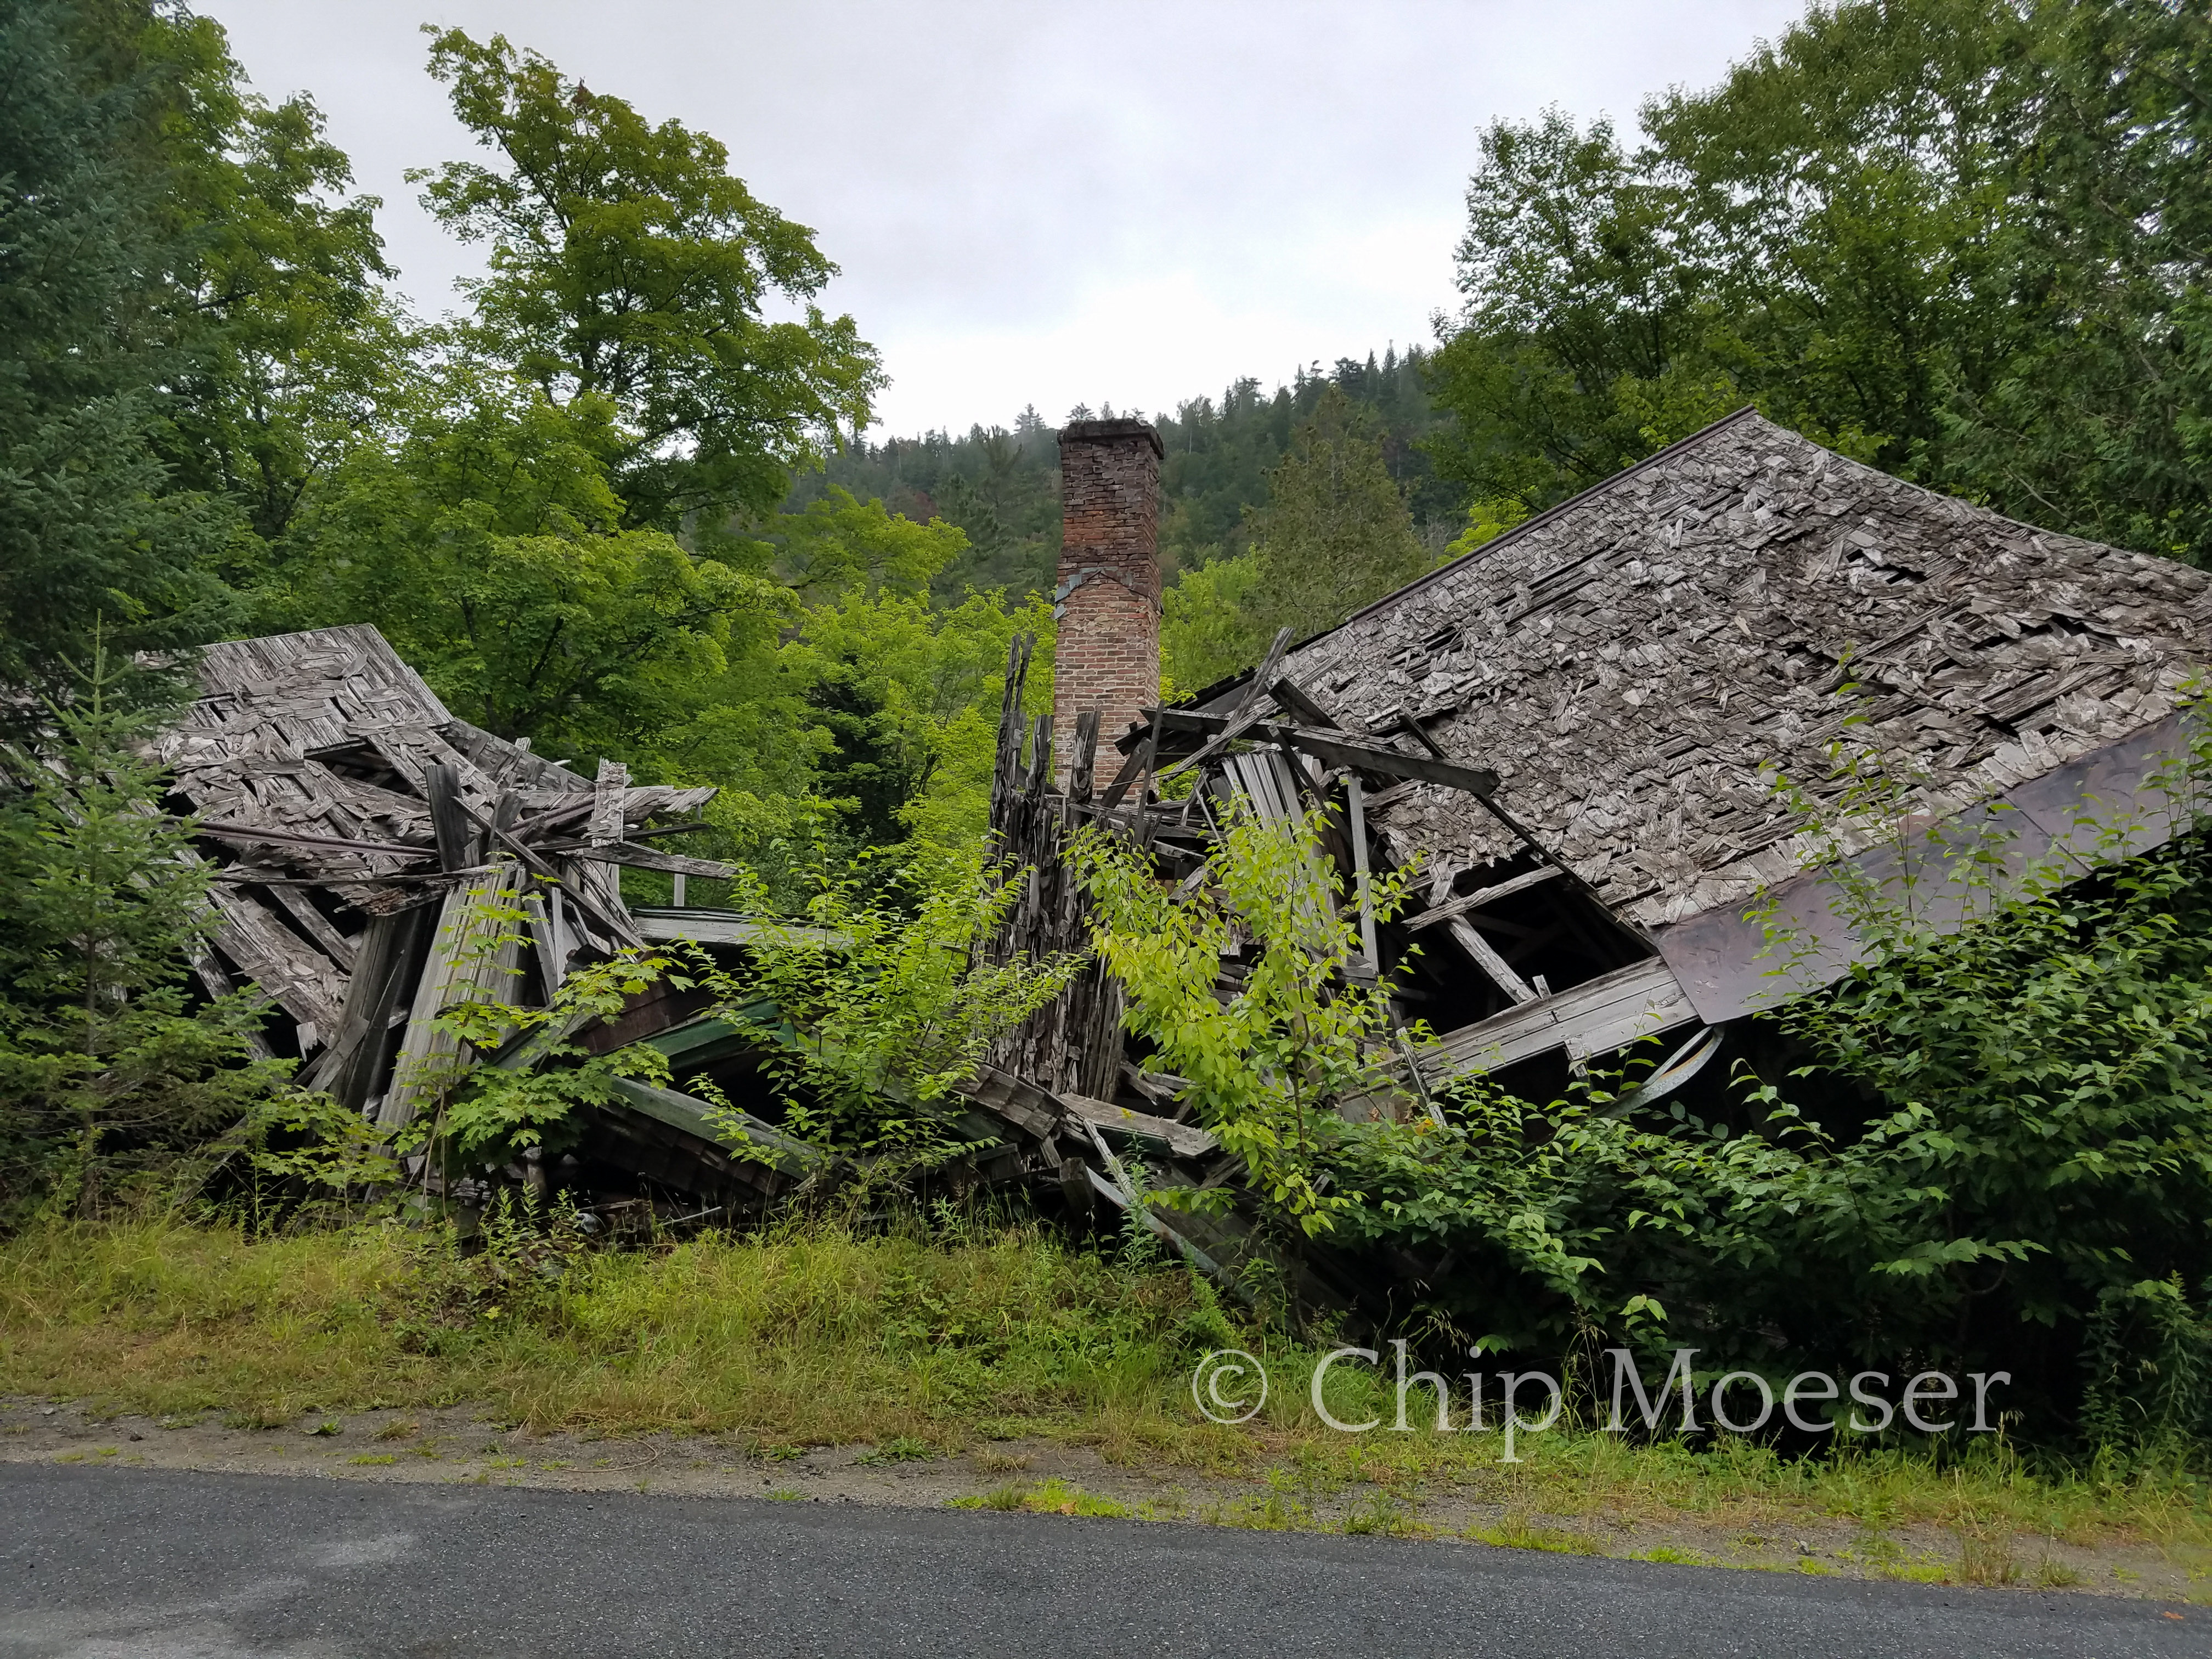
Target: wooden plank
(1339,749)
(779,1150)
(225,829)
(642,857)
(596,897)
(218,984)
(296,976)
(723,927)
(1598,1016)
(608,793)
(547,945)
(449,816)
(1139,763)
(335,945)
(1036,1112)
(1183,1140)
(389,956)
(1487,958)
(1299,704)
(1080,758)
(1040,773)
(1360,875)
(1410,724)
(1475,900)
(464,963)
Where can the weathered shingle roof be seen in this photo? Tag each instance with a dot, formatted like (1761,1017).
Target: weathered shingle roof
(1635,662)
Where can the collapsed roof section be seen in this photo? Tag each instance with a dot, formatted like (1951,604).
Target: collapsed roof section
(1636,662)
(371,851)
(358,826)
(1639,664)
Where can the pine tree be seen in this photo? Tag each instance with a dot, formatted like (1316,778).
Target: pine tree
(107,1064)
(1335,533)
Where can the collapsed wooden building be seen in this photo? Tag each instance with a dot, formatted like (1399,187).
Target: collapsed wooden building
(1571,738)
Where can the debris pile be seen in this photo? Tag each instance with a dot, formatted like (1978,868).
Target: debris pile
(1568,740)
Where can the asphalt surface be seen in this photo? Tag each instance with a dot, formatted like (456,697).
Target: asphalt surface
(99,1563)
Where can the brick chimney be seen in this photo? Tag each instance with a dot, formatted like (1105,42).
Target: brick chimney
(1107,657)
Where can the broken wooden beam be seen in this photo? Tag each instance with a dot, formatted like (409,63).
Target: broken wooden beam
(1336,749)
(643,858)
(1596,1016)
(607,822)
(1487,958)
(1475,900)
(1183,1140)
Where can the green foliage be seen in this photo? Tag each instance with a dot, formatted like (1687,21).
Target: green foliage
(482,1113)
(107,1069)
(2001,1136)
(1268,1065)
(1209,627)
(930,679)
(1963,239)
(628,264)
(2095,421)
(837,544)
(91,523)
(291,347)
(487,545)
(882,1003)
(1335,533)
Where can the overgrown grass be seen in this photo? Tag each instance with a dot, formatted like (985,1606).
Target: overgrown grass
(923,1341)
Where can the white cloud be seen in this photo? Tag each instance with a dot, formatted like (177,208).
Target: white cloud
(1049,203)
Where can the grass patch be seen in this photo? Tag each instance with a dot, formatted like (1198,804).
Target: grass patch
(1679,1558)
(922,1343)
(1005,1498)
(1513,1532)
(899,1448)
(373,1457)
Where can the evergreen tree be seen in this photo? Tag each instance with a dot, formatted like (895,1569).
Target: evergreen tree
(1335,533)
(107,1064)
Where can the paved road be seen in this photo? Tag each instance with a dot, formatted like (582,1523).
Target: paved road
(101,1563)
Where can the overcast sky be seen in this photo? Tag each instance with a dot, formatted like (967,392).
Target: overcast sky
(1047,202)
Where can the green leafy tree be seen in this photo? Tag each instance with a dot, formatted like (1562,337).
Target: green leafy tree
(92,523)
(1210,624)
(290,347)
(629,264)
(1571,286)
(2096,420)
(1964,240)
(488,545)
(929,680)
(1268,1063)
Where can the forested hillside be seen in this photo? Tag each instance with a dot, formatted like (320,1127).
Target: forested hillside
(1000,484)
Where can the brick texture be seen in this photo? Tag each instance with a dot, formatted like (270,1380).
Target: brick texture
(1107,657)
